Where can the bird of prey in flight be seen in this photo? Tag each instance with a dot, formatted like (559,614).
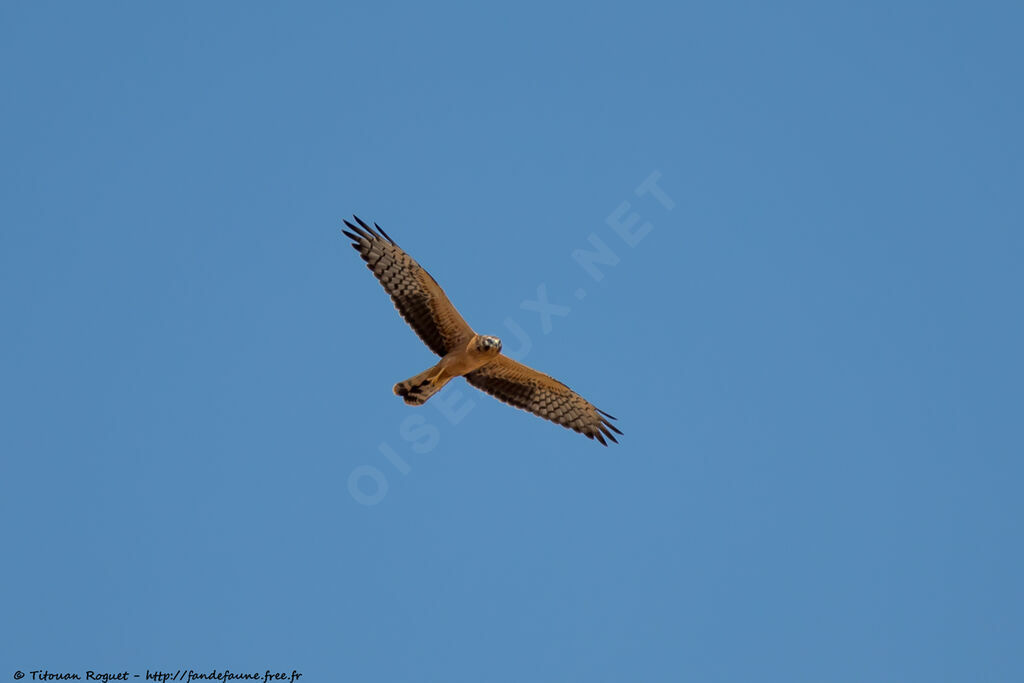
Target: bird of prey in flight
(477,357)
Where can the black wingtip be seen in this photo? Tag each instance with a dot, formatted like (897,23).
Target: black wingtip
(366,227)
(612,417)
(365,231)
(359,231)
(381,231)
(604,430)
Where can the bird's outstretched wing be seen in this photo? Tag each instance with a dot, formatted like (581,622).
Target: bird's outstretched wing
(523,387)
(417,296)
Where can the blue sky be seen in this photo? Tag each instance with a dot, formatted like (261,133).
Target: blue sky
(814,350)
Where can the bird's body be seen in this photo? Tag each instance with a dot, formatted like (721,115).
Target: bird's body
(476,353)
(464,353)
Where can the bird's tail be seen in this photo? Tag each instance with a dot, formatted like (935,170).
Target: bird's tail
(416,390)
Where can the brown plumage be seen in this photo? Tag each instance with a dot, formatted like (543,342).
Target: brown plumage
(478,358)
(523,387)
(417,296)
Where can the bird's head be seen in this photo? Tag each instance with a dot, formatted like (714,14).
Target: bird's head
(488,344)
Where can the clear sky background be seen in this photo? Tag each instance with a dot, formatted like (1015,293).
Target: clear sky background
(814,350)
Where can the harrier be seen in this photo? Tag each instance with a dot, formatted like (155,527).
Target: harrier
(477,357)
